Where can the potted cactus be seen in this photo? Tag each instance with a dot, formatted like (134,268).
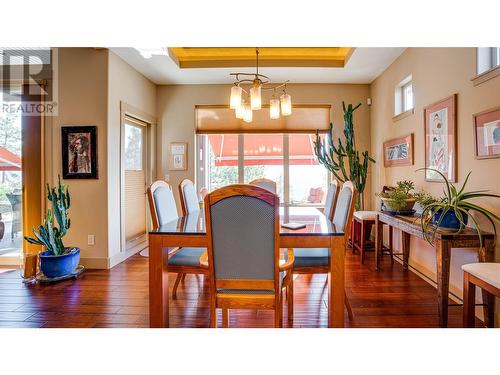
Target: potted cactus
(57,260)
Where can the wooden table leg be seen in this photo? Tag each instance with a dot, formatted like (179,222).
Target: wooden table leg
(443,253)
(405,239)
(469,313)
(391,252)
(487,254)
(379,234)
(158,283)
(336,287)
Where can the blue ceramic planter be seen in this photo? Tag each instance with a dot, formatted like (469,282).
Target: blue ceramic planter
(61,265)
(450,221)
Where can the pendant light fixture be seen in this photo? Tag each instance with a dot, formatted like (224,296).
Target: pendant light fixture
(244,102)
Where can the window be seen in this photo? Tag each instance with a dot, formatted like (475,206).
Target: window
(287,159)
(488,58)
(403,97)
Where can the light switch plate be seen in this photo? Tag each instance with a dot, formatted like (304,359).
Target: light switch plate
(90,239)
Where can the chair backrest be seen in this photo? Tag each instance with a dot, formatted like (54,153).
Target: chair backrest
(265,183)
(331,199)
(242,225)
(190,202)
(161,203)
(345,207)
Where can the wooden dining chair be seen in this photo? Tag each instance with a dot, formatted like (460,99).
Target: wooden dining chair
(312,261)
(183,260)
(190,202)
(242,224)
(265,183)
(331,199)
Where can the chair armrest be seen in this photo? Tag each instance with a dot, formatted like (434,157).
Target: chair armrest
(204,260)
(288,264)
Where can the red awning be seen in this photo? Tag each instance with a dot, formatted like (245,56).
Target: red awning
(9,161)
(262,149)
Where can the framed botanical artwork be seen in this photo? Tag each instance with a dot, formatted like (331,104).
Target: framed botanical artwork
(440,122)
(487,133)
(178,156)
(79,152)
(398,151)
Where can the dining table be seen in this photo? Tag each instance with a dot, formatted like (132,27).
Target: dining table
(189,231)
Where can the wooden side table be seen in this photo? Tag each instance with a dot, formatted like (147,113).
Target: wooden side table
(444,243)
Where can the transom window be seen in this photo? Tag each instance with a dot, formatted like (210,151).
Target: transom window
(403,96)
(488,58)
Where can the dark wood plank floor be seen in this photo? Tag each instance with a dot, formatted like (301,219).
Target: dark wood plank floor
(119,298)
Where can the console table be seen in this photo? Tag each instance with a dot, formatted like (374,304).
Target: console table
(444,243)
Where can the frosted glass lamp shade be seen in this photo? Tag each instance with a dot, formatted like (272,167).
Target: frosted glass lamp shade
(255,97)
(286,104)
(240,111)
(235,100)
(248,115)
(274,109)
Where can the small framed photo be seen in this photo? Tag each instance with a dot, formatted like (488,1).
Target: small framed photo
(178,156)
(440,120)
(79,152)
(487,133)
(398,151)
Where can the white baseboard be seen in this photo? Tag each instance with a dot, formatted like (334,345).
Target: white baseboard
(107,263)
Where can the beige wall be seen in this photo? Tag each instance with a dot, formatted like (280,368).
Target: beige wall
(82,100)
(128,86)
(92,83)
(437,73)
(176,115)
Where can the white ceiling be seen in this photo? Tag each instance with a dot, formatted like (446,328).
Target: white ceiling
(364,66)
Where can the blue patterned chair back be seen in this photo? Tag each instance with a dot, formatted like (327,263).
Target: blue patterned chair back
(343,206)
(330,199)
(189,196)
(164,204)
(243,232)
(265,184)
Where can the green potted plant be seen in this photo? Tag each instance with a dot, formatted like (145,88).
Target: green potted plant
(452,211)
(57,260)
(345,162)
(399,199)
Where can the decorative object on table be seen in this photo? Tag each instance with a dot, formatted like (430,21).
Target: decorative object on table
(451,212)
(441,139)
(79,152)
(57,260)
(332,157)
(399,200)
(398,151)
(243,107)
(178,156)
(487,133)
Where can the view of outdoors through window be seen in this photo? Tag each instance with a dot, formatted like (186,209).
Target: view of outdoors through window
(10,183)
(264,156)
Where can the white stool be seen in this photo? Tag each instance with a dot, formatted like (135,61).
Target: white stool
(487,277)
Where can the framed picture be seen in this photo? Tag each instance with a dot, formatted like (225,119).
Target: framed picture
(79,152)
(487,133)
(178,156)
(440,121)
(398,151)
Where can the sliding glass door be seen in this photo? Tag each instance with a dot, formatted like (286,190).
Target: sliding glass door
(287,159)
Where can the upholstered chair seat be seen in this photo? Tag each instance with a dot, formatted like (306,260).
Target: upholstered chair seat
(187,256)
(365,215)
(311,257)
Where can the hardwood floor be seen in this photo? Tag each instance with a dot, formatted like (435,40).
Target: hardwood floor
(119,298)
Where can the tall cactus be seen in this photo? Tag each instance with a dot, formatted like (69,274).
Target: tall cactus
(332,157)
(48,234)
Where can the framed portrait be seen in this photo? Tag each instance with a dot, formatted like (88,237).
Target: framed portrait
(398,151)
(487,133)
(178,156)
(440,122)
(79,152)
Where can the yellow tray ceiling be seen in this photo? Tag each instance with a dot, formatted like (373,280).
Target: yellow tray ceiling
(229,57)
